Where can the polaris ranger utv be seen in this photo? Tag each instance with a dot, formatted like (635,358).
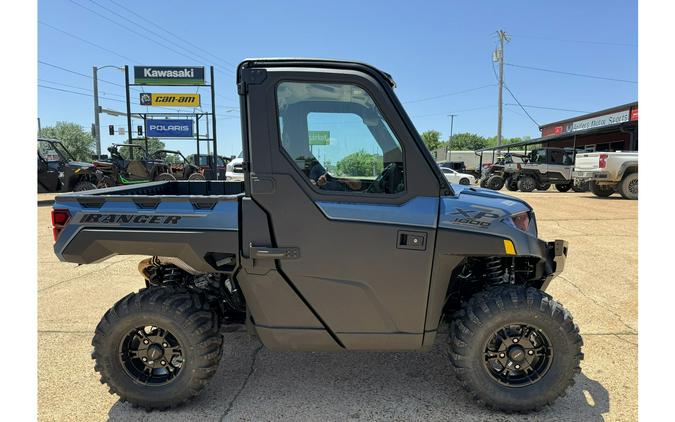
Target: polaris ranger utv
(316,252)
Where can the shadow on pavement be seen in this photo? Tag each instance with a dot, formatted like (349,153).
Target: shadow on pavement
(256,384)
(45,203)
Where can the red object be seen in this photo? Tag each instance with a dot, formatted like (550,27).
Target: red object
(634,114)
(602,162)
(558,130)
(59,219)
(522,221)
(519,167)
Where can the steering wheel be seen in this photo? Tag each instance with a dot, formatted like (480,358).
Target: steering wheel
(385,178)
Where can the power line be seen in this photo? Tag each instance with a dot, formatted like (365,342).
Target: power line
(77,87)
(578,41)
(551,108)
(514,97)
(581,75)
(449,94)
(85,41)
(174,35)
(79,93)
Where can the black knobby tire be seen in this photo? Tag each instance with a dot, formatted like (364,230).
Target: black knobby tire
(563,187)
(495,182)
(544,186)
(483,183)
(165,176)
(193,330)
(601,191)
(196,176)
(527,184)
(582,187)
(464,181)
(475,325)
(105,182)
(628,187)
(83,185)
(511,184)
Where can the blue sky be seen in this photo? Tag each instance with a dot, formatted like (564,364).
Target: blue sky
(431,49)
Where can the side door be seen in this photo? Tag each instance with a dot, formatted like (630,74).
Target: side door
(351,200)
(559,165)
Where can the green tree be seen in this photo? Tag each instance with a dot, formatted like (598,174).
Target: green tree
(79,142)
(432,139)
(468,141)
(360,164)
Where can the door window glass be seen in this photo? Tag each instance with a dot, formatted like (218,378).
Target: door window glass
(338,139)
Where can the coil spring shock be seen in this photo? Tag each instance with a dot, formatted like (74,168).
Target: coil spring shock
(494,269)
(172,275)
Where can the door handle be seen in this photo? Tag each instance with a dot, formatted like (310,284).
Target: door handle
(261,252)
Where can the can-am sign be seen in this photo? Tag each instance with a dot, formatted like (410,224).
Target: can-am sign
(168,75)
(169,128)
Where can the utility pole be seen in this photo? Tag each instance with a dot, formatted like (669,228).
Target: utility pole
(499,56)
(452,124)
(39,128)
(97,122)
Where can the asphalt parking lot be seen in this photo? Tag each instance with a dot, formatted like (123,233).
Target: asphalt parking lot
(599,287)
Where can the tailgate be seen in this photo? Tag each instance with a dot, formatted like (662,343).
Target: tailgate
(587,162)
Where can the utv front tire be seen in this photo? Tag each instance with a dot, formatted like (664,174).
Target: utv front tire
(165,176)
(158,348)
(511,184)
(515,348)
(196,176)
(495,182)
(563,187)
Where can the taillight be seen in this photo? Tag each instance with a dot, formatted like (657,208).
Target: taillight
(602,162)
(521,221)
(59,219)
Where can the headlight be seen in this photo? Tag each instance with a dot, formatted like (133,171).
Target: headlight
(521,221)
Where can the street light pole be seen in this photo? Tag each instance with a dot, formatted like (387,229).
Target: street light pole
(452,124)
(97,121)
(97,109)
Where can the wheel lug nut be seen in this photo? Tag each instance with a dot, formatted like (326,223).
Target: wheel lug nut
(517,366)
(165,345)
(145,342)
(145,359)
(530,352)
(501,355)
(515,340)
(163,362)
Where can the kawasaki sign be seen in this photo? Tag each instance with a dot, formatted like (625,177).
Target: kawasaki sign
(168,75)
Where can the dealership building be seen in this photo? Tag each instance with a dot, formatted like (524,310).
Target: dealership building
(612,129)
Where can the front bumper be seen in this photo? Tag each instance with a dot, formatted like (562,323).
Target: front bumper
(556,255)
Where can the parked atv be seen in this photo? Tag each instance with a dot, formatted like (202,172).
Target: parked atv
(121,169)
(500,174)
(542,168)
(179,166)
(58,171)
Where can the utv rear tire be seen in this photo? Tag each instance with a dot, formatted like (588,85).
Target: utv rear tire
(83,185)
(483,183)
(563,187)
(628,187)
(185,319)
(527,184)
(544,187)
(495,182)
(511,184)
(506,314)
(601,191)
(165,176)
(196,176)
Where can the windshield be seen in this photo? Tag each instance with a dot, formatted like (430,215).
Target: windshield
(53,151)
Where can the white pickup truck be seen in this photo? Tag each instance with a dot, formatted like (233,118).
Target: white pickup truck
(608,172)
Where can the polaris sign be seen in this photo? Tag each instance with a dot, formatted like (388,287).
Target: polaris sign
(168,75)
(168,128)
